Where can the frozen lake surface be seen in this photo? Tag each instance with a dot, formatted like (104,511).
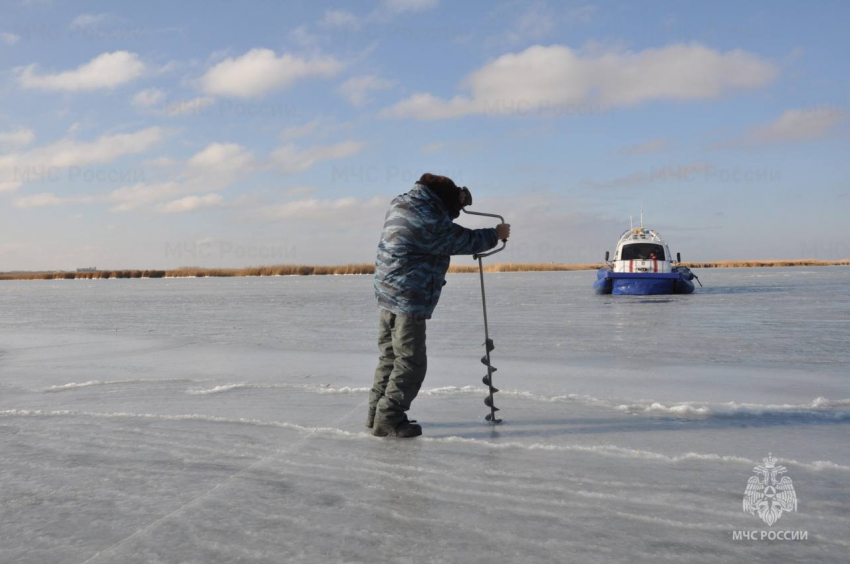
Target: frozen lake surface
(221,420)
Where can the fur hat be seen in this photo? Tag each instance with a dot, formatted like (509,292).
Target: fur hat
(445,188)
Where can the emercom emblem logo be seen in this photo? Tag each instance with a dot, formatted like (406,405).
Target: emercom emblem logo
(769,494)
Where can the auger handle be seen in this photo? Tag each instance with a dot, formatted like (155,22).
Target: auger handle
(504,241)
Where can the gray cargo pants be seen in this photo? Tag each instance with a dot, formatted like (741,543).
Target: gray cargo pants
(401,366)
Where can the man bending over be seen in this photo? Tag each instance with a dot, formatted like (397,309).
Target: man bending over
(416,245)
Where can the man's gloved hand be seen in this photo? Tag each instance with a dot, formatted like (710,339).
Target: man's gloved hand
(503,230)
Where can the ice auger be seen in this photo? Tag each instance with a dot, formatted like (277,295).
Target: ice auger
(488,342)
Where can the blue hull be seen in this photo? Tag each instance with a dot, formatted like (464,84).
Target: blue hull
(680,281)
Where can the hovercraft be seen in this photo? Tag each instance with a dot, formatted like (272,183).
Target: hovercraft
(643,266)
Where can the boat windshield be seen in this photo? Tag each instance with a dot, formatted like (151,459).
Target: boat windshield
(643,251)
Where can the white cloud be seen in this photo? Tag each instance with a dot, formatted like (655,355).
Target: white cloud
(169,67)
(16,137)
(137,195)
(339,19)
(160,162)
(290,159)
(556,78)
(357,89)
(424,106)
(303,37)
(538,21)
(84,21)
(433,147)
(9,38)
(260,71)
(38,201)
(384,13)
(320,127)
(106,71)
(214,168)
(102,150)
(326,230)
(221,158)
(48,199)
(184,107)
(9,185)
(299,131)
(313,209)
(792,126)
(401,6)
(192,203)
(299,190)
(647,147)
(40,162)
(148,97)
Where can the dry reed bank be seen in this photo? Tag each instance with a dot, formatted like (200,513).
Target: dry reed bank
(369,268)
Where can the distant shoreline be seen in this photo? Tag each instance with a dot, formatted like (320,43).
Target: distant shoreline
(369,268)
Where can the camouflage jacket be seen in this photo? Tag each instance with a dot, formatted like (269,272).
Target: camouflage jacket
(418,239)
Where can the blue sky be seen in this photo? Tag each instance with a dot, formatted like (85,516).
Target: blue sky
(161,134)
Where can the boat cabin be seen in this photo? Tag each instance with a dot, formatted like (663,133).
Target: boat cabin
(642,250)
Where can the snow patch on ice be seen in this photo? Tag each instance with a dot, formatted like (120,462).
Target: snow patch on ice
(820,407)
(77,385)
(609,450)
(72,385)
(454,390)
(614,450)
(328,389)
(188,417)
(599,449)
(218,389)
(316,389)
(480,390)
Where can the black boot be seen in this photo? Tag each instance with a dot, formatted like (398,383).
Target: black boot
(403,430)
(370,419)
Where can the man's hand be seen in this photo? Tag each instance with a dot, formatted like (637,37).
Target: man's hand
(503,231)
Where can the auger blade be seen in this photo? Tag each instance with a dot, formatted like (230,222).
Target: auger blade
(489,345)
